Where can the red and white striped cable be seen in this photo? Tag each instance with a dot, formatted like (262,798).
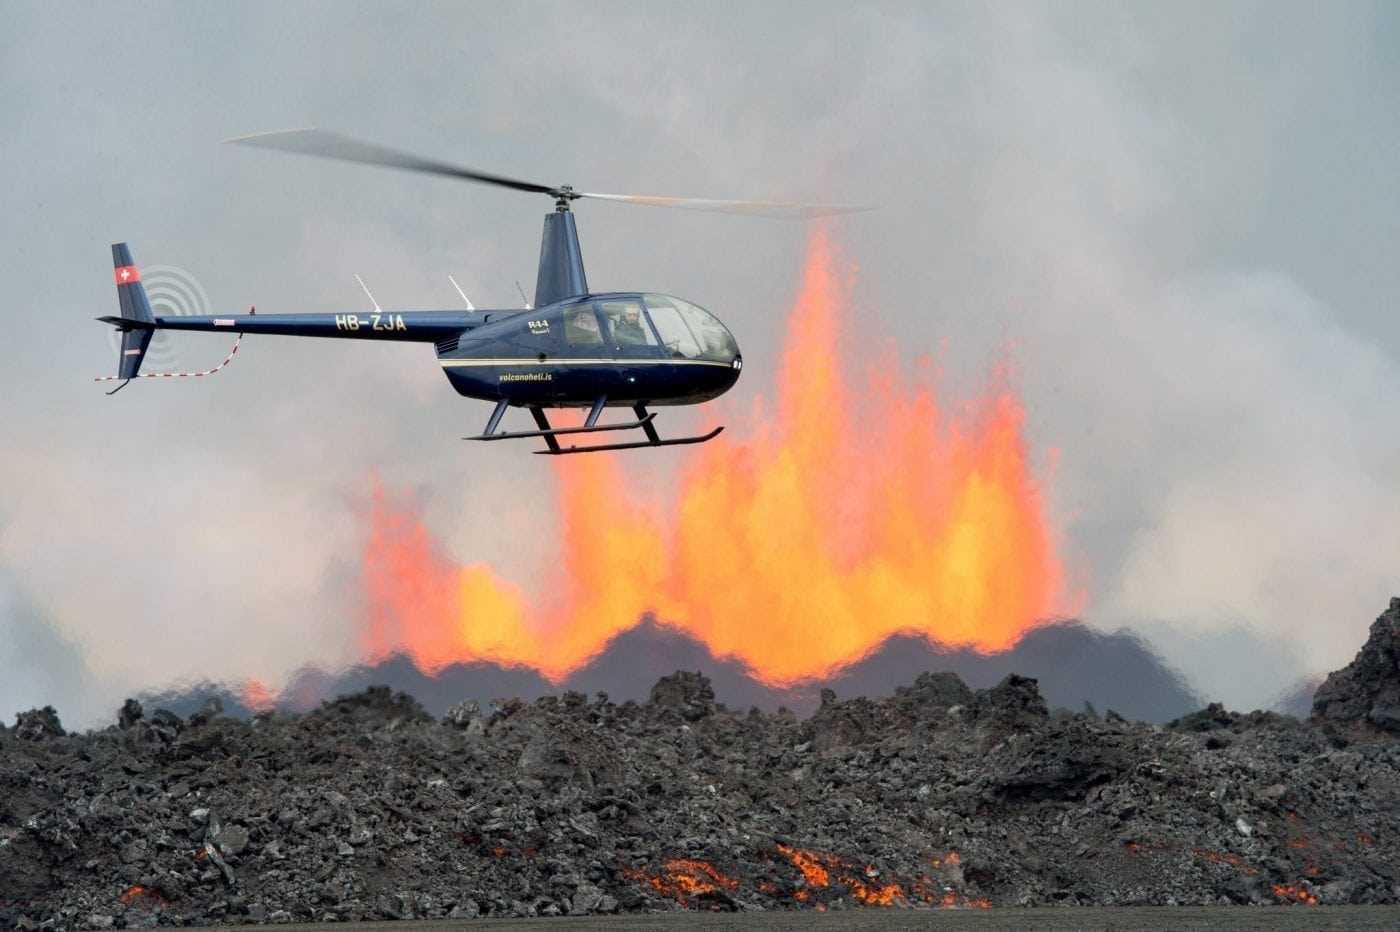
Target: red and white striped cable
(177,375)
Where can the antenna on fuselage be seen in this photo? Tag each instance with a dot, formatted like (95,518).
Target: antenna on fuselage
(367,294)
(470,306)
(528,305)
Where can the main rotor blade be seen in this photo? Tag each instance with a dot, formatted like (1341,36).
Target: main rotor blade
(782,209)
(330,145)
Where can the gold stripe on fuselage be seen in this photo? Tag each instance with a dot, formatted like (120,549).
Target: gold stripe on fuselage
(562,361)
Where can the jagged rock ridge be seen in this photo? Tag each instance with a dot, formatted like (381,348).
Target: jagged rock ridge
(1367,690)
(1072,663)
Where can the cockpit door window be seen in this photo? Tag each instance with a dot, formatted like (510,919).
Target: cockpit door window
(627,326)
(581,326)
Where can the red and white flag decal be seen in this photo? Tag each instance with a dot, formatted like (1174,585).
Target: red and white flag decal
(127,274)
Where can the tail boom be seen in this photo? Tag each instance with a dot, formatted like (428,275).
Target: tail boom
(137,324)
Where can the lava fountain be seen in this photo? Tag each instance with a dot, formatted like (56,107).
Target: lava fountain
(853,510)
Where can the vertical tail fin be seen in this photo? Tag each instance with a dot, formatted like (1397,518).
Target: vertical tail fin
(136,338)
(561,261)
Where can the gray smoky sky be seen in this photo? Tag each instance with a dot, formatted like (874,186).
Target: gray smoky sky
(1180,220)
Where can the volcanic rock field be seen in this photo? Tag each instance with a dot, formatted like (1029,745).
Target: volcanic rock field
(940,796)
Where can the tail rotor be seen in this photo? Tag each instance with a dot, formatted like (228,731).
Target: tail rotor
(176,293)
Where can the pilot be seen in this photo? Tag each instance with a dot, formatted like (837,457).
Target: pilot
(627,329)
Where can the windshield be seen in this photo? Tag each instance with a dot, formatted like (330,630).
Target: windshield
(689,331)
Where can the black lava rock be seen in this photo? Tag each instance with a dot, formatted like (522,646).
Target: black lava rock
(1367,690)
(367,808)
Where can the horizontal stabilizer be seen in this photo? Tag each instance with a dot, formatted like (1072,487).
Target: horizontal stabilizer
(128,323)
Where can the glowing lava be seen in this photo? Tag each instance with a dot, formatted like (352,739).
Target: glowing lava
(853,511)
(1289,893)
(683,878)
(814,865)
(141,896)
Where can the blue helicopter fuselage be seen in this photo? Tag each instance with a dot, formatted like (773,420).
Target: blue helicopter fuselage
(628,347)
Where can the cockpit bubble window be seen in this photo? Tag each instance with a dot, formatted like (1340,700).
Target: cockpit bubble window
(626,323)
(680,343)
(581,326)
(715,341)
(689,331)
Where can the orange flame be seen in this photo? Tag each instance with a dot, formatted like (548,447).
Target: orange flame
(852,515)
(258,696)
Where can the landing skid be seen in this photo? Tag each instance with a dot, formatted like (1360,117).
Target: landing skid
(634,445)
(551,434)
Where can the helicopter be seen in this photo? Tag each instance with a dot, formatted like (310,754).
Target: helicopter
(570,348)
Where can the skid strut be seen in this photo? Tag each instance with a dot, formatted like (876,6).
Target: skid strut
(551,434)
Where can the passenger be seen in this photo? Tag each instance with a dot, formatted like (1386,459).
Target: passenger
(582,327)
(627,329)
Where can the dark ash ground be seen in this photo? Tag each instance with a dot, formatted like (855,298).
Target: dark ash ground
(368,808)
